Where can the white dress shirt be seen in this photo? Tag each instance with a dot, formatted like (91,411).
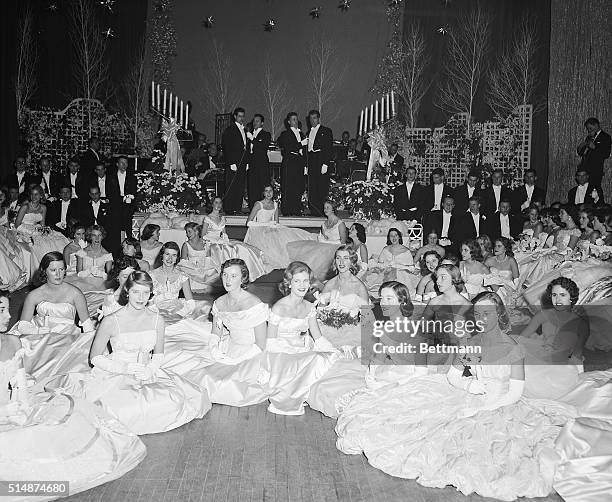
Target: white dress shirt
(241,129)
(504,221)
(438,190)
(20,176)
(409,186)
(311,137)
(497,192)
(102,186)
(446,217)
(46,179)
(476,219)
(64,211)
(470,191)
(580,194)
(297,134)
(96,208)
(121,179)
(211,164)
(254,135)
(529,190)
(73,178)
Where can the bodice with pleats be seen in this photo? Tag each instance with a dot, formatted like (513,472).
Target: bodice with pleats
(214,229)
(564,236)
(168,290)
(293,331)
(149,255)
(388,259)
(133,346)
(239,328)
(265,215)
(333,234)
(473,282)
(31,219)
(8,370)
(94,266)
(196,256)
(55,315)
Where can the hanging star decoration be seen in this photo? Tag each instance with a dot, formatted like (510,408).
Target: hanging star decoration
(344,5)
(269,25)
(108,4)
(108,33)
(208,22)
(52,7)
(315,12)
(394,3)
(443,30)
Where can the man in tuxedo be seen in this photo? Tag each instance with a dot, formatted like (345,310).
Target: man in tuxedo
(436,191)
(463,193)
(258,170)
(60,212)
(195,162)
(98,212)
(49,181)
(235,151)
(594,150)
(529,193)
(444,223)
(503,223)
(20,178)
(396,162)
(125,194)
(471,223)
(109,190)
(91,158)
(77,181)
(584,192)
(408,198)
(320,154)
(493,194)
(290,143)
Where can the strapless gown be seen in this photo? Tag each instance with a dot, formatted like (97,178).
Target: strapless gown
(319,254)
(272,239)
(149,255)
(222,248)
(12,277)
(63,438)
(200,268)
(91,280)
(166,300)
(39,245)
(473,282)
(390,267)
(145,407)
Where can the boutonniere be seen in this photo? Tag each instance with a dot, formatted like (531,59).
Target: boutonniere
(128,198)
(103,201)
(484,217)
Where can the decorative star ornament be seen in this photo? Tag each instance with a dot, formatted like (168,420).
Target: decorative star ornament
(269,25)
(108,33)
(108,4)
(52,7)
(394,3)
(443,30)
(315,12)
(344,5)
(208,22)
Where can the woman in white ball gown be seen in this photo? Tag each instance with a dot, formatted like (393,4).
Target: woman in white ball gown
(195,260)
(131,382)
(473,429)
(51,437)
(265,233)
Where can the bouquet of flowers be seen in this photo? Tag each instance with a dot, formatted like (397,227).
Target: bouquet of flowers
(369,200)
(164,192)
(527,242)
(337,318)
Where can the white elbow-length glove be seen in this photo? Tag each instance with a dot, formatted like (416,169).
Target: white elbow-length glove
(88,325)
(515,391)
(146,371)
(469,384)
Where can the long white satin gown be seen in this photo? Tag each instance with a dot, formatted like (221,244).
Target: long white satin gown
(272,239)
(39,244)
(166,299)
(163,403)
(319,254)
(62,438)
(200,268)
(90,280)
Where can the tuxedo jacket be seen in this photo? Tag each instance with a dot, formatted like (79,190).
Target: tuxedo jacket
(592,160)
(409,208)
(488,205)
(111,185)
(588,199)
(54,211)
(55,183)
(462,198)
(81,185)
(12,181)
(397,165)
(87,217)
(260,145)
(466,229)
(493,229)
(235,150)
(430,196)
(519,196)
(433,221)
(323,145)
(89,160)
(129,188)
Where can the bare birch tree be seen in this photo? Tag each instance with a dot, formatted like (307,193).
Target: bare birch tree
(276,97)
(411,82)
(27,57)
(91,67)
(465,64)
(222,91)
(326,74)
(512,82)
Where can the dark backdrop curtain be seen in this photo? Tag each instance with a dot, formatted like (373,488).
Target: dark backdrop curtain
(8,117)
(506,16)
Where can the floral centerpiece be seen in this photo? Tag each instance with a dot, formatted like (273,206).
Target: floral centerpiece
(336,317)
(367,200)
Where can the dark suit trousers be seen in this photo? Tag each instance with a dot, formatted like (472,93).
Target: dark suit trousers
(234,188)
(292,184)
(258,176)
(318,184)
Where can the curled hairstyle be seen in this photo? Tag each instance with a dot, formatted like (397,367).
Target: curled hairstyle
(590,214)
(570,286)
(604,215)
(94,228)
(160,256)
(74,225)
(423,261)
(507,243)
(135,243)
(121,263)
(137,277)
(35,188)
(47,259)
(360,231)
(353,267)
(332,204)
(572,212)
(552,213)
(502,313)
(403,296)
(485,241)
(474,247)
(194,226)
(399,234)
(244,271)
(295,267)
(455,274)
(148,231)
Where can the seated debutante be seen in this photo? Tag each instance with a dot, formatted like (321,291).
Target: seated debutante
(14,272)
(131,247)
(94,260)
(77,232)
(4,210)
(486,246)
(394,263)
(265,233)
(292,325)
(585,223)
(472,269)
(432,245)
(130,382)
(319,255)
(39,427)
(552,223)
(195,261)
(426,288)
(169,281)
(149,243)
(504,270)
(533,223)
(357,235)
(122,268)
(222,248)
(602,222)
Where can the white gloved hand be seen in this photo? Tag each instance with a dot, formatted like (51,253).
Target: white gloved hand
(305,171)
(233,167)
(107,364)
(476,387)
(324,169)
(29,328)
(88,325)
